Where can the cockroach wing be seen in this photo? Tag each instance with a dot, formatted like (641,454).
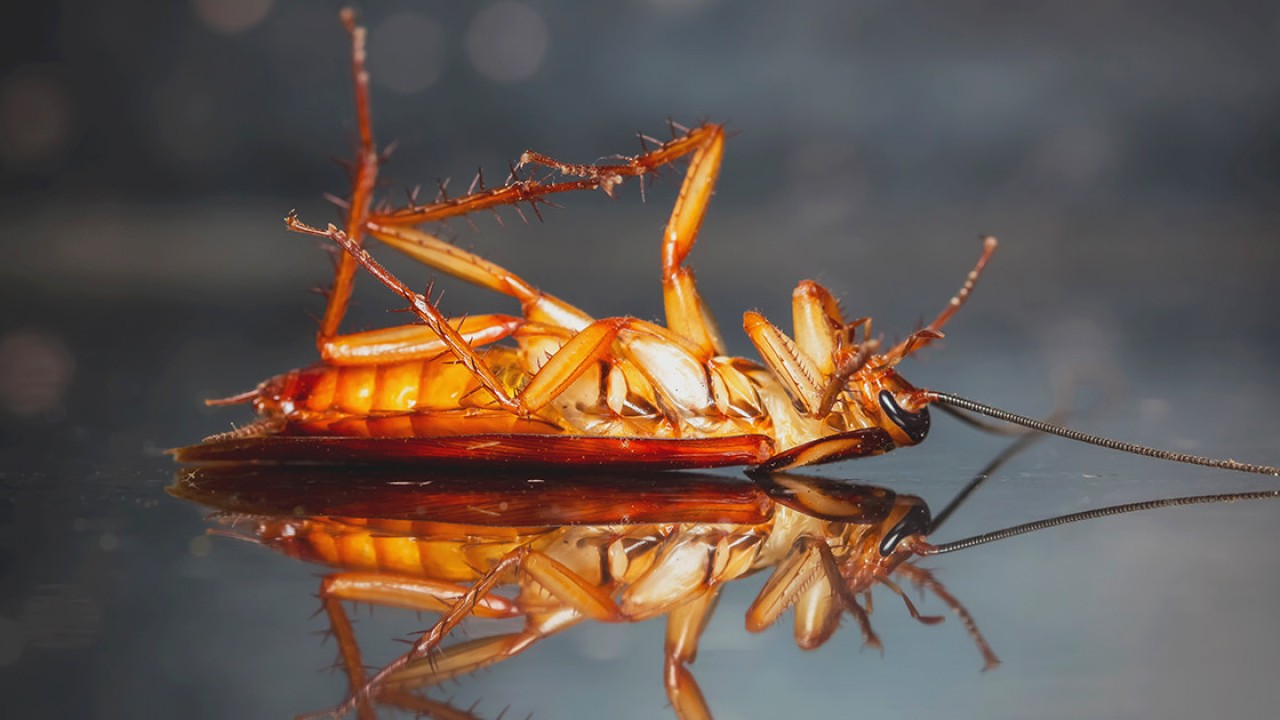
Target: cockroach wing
(827,499)
(564,452)
(495,499)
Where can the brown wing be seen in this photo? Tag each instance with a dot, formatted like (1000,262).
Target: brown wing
(559,452)
(842,446)
(490,500)
(828,499)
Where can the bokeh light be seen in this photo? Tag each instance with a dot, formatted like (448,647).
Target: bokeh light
(507,41)
(35,117)
(406,52)
(231,16)
(35,372)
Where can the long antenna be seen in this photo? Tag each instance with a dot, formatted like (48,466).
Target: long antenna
(955,401)
(927,549)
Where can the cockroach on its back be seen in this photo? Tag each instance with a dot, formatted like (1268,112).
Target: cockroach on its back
(575,391)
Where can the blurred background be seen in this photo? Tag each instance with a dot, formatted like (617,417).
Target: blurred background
(1127,155)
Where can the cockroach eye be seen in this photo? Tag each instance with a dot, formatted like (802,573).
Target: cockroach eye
(914,424)
(917,521)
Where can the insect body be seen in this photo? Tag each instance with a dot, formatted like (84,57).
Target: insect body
(621,550)
(556,553)
(643,393)
(567,389)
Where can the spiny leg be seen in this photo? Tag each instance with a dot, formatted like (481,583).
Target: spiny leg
(513,193)
(809,561)
(364,177)
(414,342)
(448,662)
(792,366)
(568,362)
(558,372)
(414,594)
(603,176)
(704,141)
(818,324)
(818,363)
(423,308)
(565,585)
(686,314)
(922,337)
(924,579)
(537,305)
(382,589)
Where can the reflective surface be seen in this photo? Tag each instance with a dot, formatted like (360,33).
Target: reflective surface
(1126,165)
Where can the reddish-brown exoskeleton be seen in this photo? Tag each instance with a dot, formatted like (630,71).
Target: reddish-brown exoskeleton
(573,390)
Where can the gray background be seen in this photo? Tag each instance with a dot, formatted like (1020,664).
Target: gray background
(1126,154)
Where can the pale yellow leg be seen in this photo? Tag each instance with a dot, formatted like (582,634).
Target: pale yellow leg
(537,305)
(413,342)
(687,315)
(566,586)
(684,626)
(791,365)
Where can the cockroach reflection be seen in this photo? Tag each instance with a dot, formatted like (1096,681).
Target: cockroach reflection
(558,551)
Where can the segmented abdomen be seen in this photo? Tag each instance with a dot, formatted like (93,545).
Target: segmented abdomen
(328,394)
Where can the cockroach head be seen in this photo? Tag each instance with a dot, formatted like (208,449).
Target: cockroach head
(892,404)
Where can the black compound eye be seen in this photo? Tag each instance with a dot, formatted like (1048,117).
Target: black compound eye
(918,521)
(914,424)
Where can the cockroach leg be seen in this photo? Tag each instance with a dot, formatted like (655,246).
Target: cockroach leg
(790,364)
(684,626)
(687,314)
(426,707)
(462,658)
(924,579)
(808,564)
(585,598)
(418,594)
(933,331)
(259,428)
(817,616)
(364,178)
(848,598)
(818,325)
(424,309)
(537,305)
(798,569)
(911,607)
(412,342)
(566,364)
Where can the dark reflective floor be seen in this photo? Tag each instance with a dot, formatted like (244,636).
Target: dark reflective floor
(1128,166)
(113,586)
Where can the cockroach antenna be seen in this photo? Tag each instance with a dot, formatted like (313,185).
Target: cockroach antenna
(959,403)
(923,548)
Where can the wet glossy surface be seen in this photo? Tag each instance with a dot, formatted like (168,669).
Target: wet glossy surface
(1138,251)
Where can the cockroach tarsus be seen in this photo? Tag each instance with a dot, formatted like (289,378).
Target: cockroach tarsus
(576,391)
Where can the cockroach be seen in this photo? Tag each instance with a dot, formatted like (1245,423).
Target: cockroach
(575,391)
(608,548)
